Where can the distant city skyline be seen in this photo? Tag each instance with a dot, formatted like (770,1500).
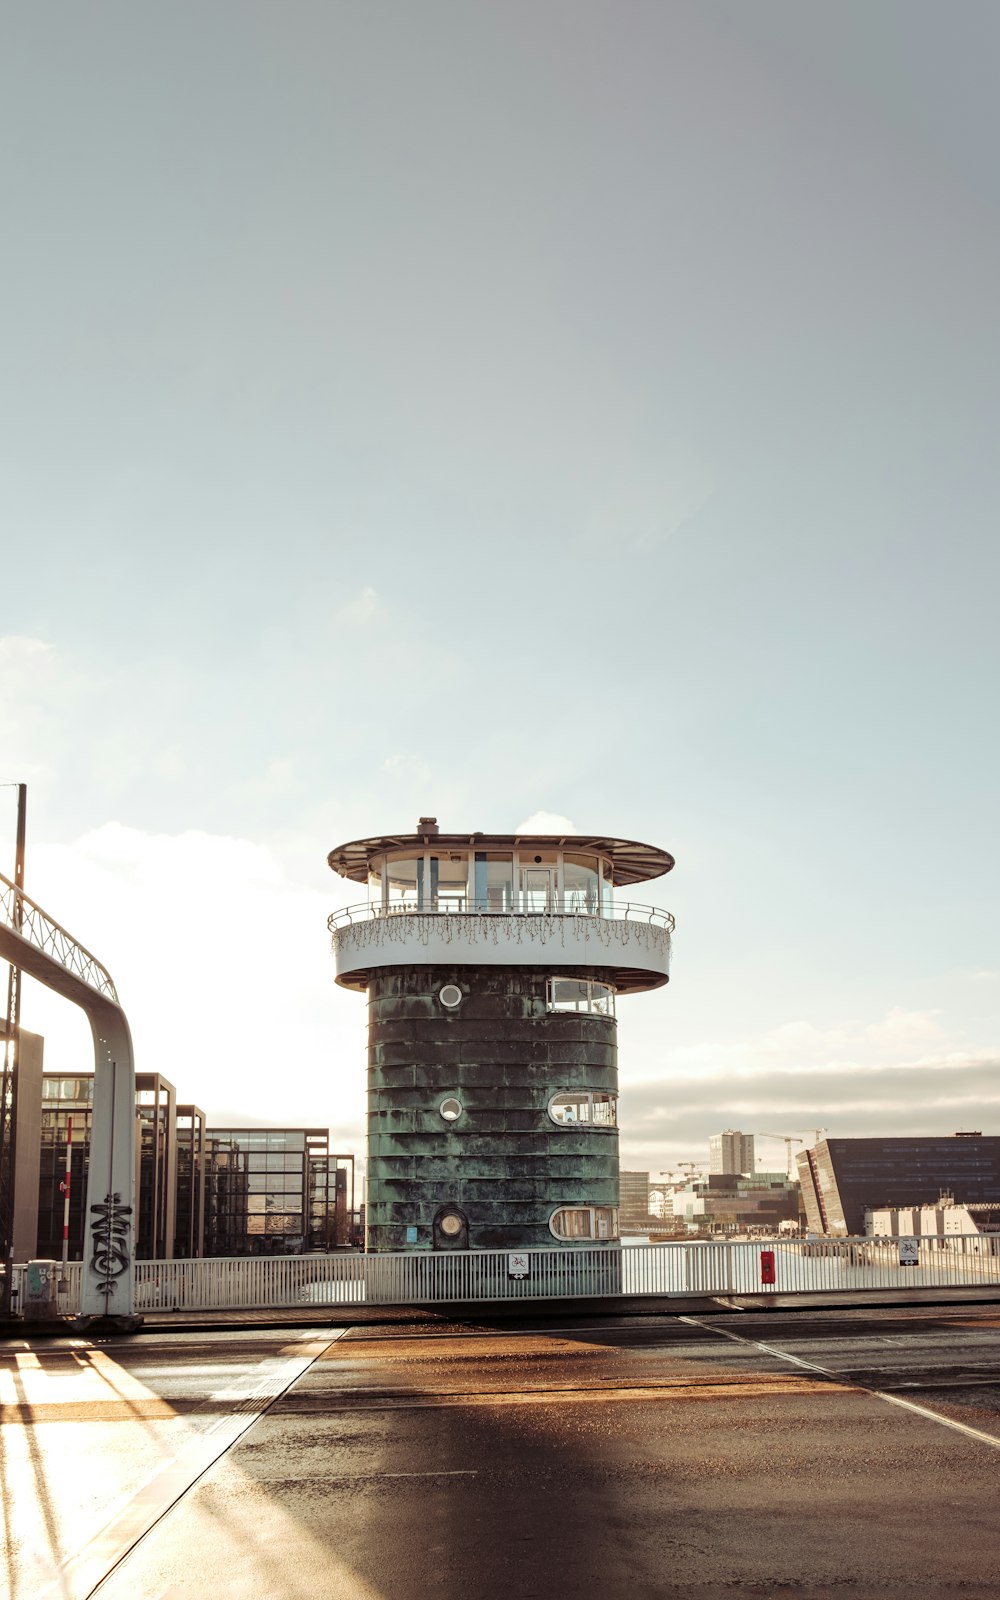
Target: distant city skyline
(479,411)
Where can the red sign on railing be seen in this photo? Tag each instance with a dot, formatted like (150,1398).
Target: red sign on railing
(767,1266)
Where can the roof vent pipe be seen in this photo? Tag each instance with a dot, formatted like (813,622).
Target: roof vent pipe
(427,825)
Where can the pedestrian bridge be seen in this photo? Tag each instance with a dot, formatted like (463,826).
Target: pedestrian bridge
(763,1267)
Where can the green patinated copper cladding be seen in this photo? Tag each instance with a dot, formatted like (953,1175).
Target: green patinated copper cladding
(504,1163)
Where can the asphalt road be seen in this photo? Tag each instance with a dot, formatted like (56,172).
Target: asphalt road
(803,1454)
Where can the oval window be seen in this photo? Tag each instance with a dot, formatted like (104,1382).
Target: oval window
(584,1222)
(450,996)
(584,1108)
(450,1109)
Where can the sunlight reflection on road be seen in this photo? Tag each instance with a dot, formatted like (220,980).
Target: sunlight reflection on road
(67,1461)
(236,1540)
(89,1452)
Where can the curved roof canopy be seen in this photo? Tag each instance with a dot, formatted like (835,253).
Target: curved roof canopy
(631,862)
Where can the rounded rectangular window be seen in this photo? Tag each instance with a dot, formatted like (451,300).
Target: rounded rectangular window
(404,879)
(581,885)
(449,882)
(494,881)
(582,995)
(584,1222)
(584,1107)
(607,886)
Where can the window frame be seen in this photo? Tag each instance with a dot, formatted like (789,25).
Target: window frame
(608,990)
(612,1236)
(590,1095)
(521,857)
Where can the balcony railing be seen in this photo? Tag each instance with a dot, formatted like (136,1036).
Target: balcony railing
(525,906)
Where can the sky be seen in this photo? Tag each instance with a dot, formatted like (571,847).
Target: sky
(470,410)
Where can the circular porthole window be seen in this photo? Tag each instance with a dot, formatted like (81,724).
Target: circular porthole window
(450,1224)
(450,1109)
(450,996)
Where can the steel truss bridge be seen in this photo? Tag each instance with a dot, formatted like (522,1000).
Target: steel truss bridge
(48,938)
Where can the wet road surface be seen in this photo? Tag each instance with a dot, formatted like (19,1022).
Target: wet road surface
(803,1454)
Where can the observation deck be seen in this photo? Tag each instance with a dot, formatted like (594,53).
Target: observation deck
(511,900)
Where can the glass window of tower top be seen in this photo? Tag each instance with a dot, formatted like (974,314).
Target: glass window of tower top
(491,873)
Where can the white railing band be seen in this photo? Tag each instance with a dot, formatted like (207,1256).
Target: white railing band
(601,1271)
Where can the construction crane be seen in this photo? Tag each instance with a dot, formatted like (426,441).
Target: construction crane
(689,1170)
(793,1138)
(790,1139)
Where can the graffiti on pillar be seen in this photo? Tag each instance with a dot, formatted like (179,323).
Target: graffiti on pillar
(110,1236)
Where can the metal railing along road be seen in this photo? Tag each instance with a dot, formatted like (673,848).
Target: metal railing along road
(463,906)
(40,930)
(778,1266)
(249,1283)
(67,1299)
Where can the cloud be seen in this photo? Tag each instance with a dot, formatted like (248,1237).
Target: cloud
(800,1045)
(546,822)
(885,1085)
(20,654)
(364,608)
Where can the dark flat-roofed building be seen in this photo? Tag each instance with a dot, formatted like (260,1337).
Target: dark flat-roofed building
(189,1220)
(156,1136)
(843,1178)
(65,1099)
(69,1097)
(262,1190)
(633,1204)
(728,1202)
(331,1200)
(27,1137)
(731,1152)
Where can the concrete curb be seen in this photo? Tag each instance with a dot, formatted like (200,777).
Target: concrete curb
(498,1311)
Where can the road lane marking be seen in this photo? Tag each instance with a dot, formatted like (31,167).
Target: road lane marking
(458,1472)
(847,1383)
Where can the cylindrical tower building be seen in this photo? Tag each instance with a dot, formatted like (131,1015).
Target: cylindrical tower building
(493,965)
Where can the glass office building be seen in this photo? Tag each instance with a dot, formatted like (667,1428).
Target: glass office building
(155,1103)
(64,1100)
(199,1191)
(189,1220)
(842,1178)
(262,1189)
(69,1098)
